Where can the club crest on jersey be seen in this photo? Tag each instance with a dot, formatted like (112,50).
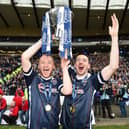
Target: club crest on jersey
(54,81)
(84,82)
(41,87)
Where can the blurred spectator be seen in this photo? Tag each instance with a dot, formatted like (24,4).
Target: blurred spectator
(122,99)
(3,104)
(97,104)
(19,92)
(12,89)
(106,92)
(24,111)
(18,100)
(13,115)
(113,97)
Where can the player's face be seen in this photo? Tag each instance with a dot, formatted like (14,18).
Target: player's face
(46,66)
(82,65)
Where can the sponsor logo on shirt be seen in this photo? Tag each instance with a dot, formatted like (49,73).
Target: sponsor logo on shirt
(43,88)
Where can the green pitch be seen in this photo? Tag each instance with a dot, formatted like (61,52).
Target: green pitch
(94,127)
(112,127)
(11,127)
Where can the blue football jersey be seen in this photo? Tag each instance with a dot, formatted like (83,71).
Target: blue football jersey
(42,92)
(76,111)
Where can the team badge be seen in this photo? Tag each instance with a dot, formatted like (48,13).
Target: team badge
(84,82)
(41,87)
(54,81)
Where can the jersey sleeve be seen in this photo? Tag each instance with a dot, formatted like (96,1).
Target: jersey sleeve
(98,80)
(29,76)
(72,72)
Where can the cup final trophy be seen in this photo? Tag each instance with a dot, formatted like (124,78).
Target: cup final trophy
(57,27)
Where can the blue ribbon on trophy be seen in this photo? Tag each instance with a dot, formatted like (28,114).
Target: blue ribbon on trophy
(63,32)
(46,35)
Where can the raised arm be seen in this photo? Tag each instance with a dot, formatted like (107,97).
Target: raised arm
(67,84)
(27,54)
(114,54)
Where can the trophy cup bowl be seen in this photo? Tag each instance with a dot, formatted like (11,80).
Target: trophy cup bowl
(53,22)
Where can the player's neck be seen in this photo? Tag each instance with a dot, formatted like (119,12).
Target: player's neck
(46,78)
(80,77)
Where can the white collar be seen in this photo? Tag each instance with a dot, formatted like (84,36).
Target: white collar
(45,78)
(83,76)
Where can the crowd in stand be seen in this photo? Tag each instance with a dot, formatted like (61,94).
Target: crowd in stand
(116,91)
(9,84)
(8,64)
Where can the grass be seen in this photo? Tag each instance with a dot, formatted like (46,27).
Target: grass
(112,127)
(94,127)
(11,127)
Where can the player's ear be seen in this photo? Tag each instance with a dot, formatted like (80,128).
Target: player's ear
(74,65)
(38,66)
(54,67)
(89,66)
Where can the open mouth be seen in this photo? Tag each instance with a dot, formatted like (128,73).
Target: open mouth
(81,68)
(46,69)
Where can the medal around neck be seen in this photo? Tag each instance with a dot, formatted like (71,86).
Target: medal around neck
(72,108)
(48,107)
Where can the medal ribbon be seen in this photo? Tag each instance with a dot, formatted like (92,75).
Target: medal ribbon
(48,93)
(74,92)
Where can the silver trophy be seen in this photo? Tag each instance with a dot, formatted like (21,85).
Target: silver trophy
(53,21)
(57,26)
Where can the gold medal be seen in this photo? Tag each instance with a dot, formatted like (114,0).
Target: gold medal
(48,107)
(72,109)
